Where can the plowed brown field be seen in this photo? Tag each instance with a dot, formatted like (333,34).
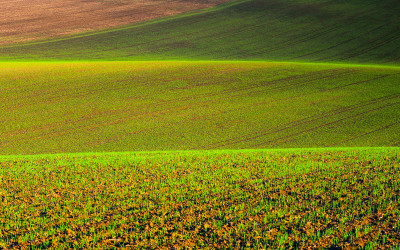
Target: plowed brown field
(24,20)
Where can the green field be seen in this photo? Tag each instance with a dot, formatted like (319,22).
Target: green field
(256,199)
(258,124)
(355,31)
(131,106)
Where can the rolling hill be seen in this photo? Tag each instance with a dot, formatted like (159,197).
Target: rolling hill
(194,103)
(131,106)
(355,31)
(225,114)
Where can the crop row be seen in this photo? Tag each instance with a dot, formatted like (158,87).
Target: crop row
(336,198)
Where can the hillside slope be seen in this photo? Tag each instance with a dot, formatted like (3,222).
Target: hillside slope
(353,31)
(25,20)
(130,106)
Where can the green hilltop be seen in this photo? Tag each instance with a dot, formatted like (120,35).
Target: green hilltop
(363,32)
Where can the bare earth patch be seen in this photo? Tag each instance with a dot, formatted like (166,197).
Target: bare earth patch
(25,20)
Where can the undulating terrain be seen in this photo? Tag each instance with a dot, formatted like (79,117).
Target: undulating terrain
(260,124)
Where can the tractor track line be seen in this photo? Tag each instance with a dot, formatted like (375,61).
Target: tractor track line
(366,133)
(302,121)
(324,125)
